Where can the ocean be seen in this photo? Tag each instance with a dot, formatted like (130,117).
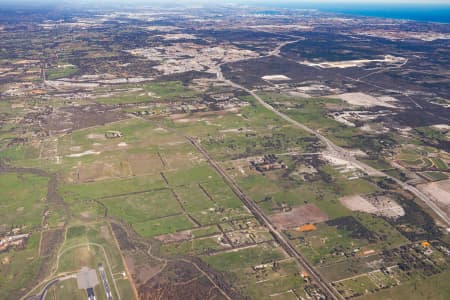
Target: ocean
(418,12)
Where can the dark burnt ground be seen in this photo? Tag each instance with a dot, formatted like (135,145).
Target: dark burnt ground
(180,280)
(124,65)
(186,77)
(258,41)
(249,72)
(78,117)
(417,84)
(326,46)
(51,239)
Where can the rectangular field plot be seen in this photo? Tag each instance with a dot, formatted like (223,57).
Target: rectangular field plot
(196,174)
(145,163)
(204,207)
(163,225)
(195,247)
(95,171)
(106,188)
(245,258)
(223,195)
(137,208)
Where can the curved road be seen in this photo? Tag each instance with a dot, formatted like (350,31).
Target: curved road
(338,151)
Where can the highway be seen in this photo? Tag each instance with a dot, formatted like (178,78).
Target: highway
(341,153)
(328,289)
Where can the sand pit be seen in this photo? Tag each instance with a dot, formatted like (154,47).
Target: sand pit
(361,99)
(377,205)
(387,60)
(276,78)
(298,216)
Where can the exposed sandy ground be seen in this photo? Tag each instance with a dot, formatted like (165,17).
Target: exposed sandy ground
(402,35)
(440,191)
(276,77)
(185,57)
(96,136)
(175,237)
(388,59)
(298,216)
(88,152)
(441,126)
(283,27)
(178,36)
(361,99)
(381,205)
(299,94)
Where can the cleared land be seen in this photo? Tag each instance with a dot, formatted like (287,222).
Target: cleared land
(298,216)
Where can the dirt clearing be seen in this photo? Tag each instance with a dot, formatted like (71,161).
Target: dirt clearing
(298,216)
(175,237)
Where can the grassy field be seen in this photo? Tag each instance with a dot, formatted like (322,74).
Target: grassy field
(100,189)
(23,199)
(149,92)
(244,258)
(61,72)
(162,226)
(68,289)
(138,208)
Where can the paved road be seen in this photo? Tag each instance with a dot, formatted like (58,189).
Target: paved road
(43,293)
(328,289)
(343,153)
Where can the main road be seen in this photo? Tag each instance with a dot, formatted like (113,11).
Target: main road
(337,151)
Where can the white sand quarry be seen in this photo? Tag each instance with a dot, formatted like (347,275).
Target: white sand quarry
(276,77)
(365,100)
(380,205)
(388,60)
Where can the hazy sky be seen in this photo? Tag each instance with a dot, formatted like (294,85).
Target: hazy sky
(360,2)
(273,3)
